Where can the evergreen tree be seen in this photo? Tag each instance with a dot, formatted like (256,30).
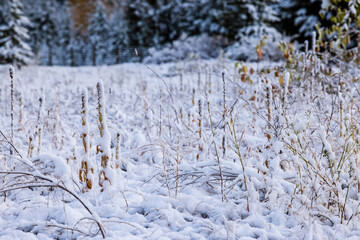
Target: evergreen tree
(139,14)
(13,34)
(299,17)
(65,38)
(48,29)
(227,17)
(44,30)
(233,19)
(118,37)
(33,14)
(199,17)
(262,17)
(2,17)
(255,20)
(166,21)
(98,31)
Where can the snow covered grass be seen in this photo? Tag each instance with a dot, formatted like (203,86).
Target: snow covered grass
(192,150)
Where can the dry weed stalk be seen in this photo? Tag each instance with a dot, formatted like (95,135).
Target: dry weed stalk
(238,152)
(165,171)
(12,72)
(117,151)
(224,113)
(30,148)
(223,197)
(160,113)
(39,128)
(104,148)
(285,92)
(87,170)
(21,106)
(268,90)
(199,129)
(341,118)
(177,167)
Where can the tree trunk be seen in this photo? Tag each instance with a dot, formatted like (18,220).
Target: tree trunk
(93,55)
(50,62)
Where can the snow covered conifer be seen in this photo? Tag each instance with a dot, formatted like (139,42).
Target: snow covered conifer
(167,21)
(299,17)
(139,15)
(98,31)
(261,17)
(198,17)
(66,43)
(48,29)
(1,16)
(118,36)
(13,34)
(236,19)
(224,17)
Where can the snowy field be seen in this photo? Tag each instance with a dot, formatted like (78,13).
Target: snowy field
(198,150)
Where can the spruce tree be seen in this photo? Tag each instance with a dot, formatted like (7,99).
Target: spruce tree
(299,17)
(65,40)
(48,29)
(233,19)
(98,31)
(228,17)
(44,28)
(2,17)
(200,17)
(166,21)
(261,16)
(118,38)
(139,14)
(13,36)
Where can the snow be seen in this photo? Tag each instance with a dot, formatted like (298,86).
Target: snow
(196,47)
(13,36)
(51,164)
(164,192)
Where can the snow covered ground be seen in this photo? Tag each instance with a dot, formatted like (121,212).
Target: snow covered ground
(281,162)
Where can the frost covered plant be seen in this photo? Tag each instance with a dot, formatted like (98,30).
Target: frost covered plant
(39,127)
(288,52)
(326,156)
(21,109)
(269,98)
(200,116)
(216,151)
(237,151)
(105,138)
(30,147)
(285,92)
(118,162)
(12,72)
(24,178)
(223,74)
(87,169)
(259,48)
(343,30)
